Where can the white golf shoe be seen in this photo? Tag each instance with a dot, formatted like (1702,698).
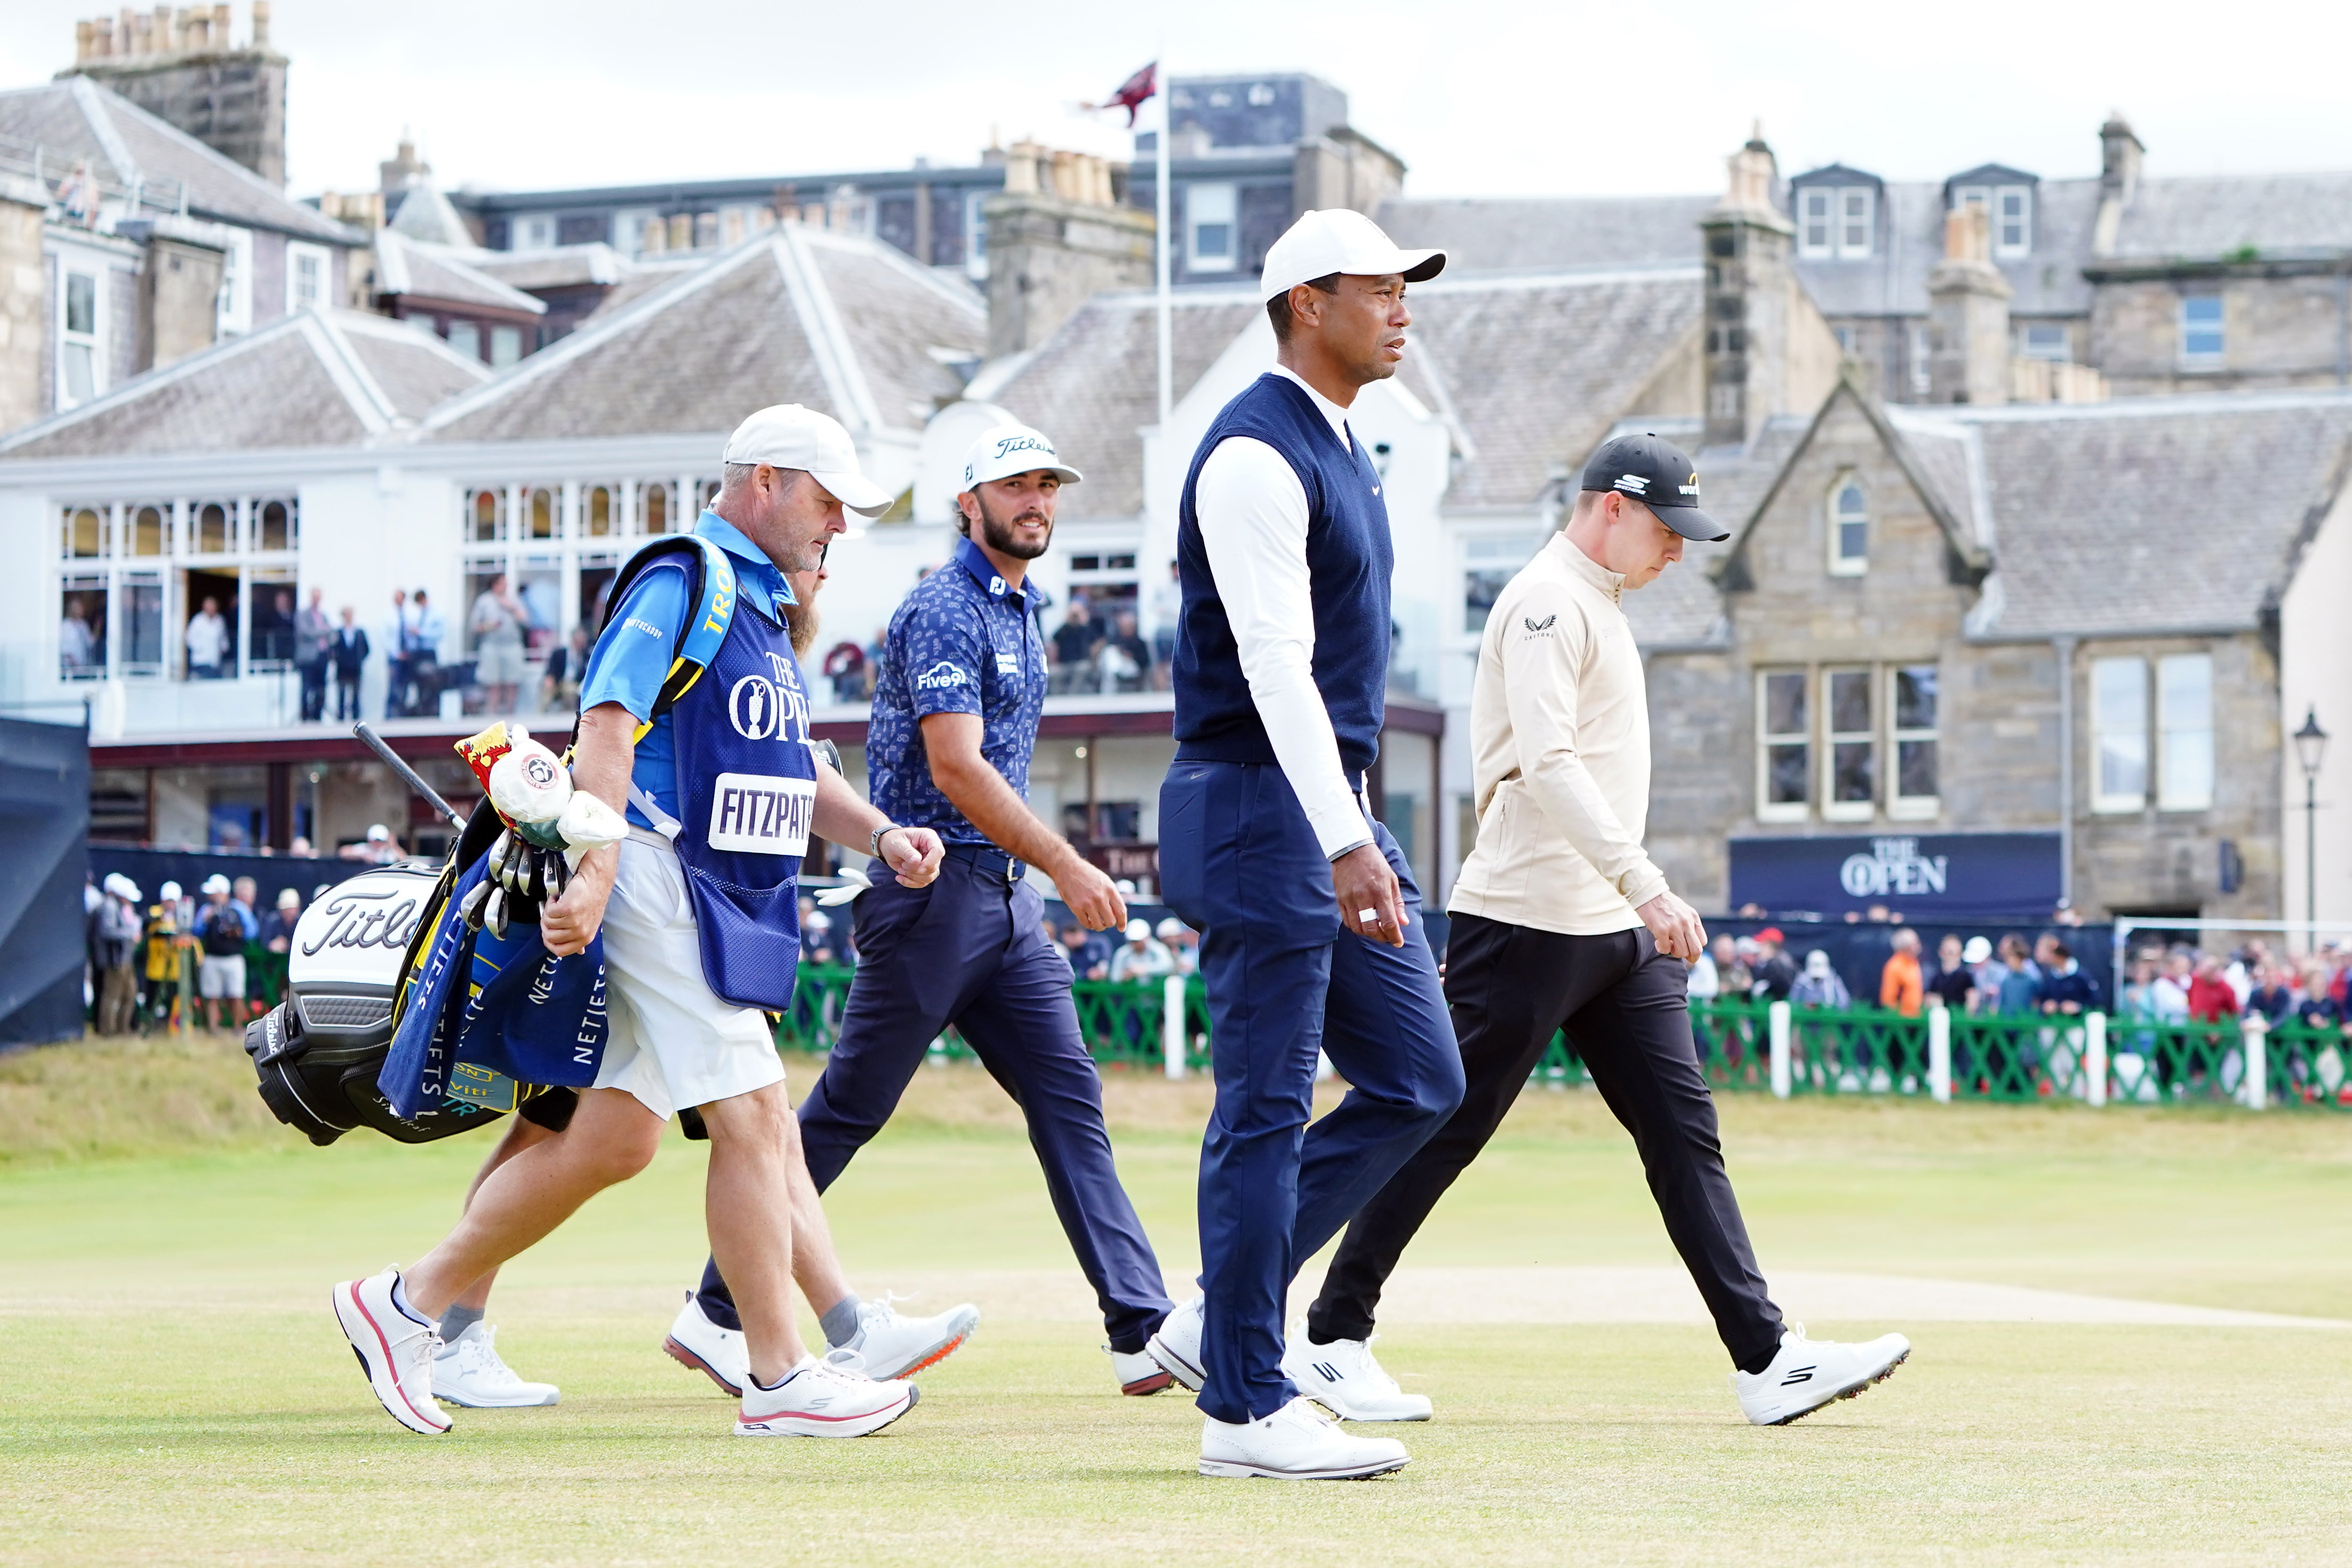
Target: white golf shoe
(394,1349)
(1343,1378)
(1137,1373)
(1176,1344)
(1300,1442)
(466,1371)
(718,1353)
(895,1346)
(1809,1374)
(827,1398)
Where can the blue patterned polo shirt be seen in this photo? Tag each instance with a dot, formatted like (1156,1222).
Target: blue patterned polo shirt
(961,643)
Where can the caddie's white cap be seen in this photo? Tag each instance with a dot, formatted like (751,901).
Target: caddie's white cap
(1005,451)
(787,435)
(215,883)
(1333,239)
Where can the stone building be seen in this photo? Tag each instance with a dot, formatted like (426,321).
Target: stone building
(180,65)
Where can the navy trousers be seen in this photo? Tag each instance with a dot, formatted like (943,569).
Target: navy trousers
(1239,863)
(970,950)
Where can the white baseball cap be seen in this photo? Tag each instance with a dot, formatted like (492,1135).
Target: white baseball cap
(787,435)
(215,883)
(1004,450)
(377,833)
(1334,239)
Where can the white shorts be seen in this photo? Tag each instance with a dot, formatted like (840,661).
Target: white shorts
(221,979)
(673,1042)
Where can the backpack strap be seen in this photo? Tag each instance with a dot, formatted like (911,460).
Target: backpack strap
(710,580)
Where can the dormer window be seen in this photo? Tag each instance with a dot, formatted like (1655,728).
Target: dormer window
(1836,220)
(2009,215)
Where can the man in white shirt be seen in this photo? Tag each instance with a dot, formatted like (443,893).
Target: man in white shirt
(1561,921)
(1310,921)
(207,642)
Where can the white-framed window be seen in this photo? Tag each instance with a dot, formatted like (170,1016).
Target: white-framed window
(1814,217)
(1913,696)
(2013,220)
(1784,750)
(82,626)
(1488,564)
(136,575)
(629,231)
(1836,221)
(1850,783)
(2044,340)
(309,276)
(486,514)
(2119,733)
(2203,342)
(465,338)
(1922,349)
(1849,527)
(506,346)
(2184,723)
(82,334)
(535,231)
(1856,208)
(975,235)
(1211,230)
(234,313)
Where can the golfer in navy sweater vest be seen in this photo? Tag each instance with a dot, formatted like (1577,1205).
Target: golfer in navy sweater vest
(1310,924)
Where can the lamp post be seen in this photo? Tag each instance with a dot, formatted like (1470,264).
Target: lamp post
(2310,745)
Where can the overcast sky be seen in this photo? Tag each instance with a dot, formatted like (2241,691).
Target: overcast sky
(1479,97)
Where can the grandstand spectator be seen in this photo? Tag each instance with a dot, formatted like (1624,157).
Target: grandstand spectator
(1703,983)
(2210,997)
(1143,958)
(1734,977)
(2168,991)
(1183,943)
(1775,972)
(2018,982)
(1900,984)
(1951,983)
(1088,952)
(1073,648)
(1125,657)
(2318,1009)
(2270,995)
(844,666)
(1819,985)
(2064,987)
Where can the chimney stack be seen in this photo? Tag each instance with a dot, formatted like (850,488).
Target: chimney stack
(2119,156)
(1967,315)
(260,24)
(1748,300)
(180,66)
(1057,235)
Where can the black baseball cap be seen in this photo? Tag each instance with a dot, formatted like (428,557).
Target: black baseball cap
(1656,473)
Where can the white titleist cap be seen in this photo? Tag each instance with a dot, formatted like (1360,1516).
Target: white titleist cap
(1334,239)
(1009,449)
(787,435)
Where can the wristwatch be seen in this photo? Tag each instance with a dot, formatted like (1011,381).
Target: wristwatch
(885,827)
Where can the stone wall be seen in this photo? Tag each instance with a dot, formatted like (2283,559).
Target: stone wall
(24,306)
(2277,331)
(233,102)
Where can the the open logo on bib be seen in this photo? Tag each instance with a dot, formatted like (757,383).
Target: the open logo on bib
(753,814)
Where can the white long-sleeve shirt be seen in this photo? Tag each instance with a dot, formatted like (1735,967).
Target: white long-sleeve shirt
(1559,740)
(1252,516)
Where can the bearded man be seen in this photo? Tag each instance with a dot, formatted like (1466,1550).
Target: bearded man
(956,706)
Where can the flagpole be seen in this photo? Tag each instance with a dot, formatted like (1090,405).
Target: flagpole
(1159,191)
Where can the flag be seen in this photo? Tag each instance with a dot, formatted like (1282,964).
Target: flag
(1132,92)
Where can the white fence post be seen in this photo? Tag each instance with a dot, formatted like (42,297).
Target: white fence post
(2255,1031)
(2094,1059)
(1777,1023)
(1939,1054)
(1172,1024)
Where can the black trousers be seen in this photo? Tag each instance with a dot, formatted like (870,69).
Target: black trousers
(1621,1003)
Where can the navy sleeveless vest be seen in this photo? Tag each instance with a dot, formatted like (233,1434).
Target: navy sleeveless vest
(1351,559)
(746,788)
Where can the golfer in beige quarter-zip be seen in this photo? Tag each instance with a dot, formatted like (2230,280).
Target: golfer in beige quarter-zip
(1560,921)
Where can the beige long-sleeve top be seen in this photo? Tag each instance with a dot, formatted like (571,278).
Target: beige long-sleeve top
(1560,737)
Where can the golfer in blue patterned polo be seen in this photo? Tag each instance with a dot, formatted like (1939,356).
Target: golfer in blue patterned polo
(962,685)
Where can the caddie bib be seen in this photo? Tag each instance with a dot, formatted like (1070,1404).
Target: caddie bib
(746,789)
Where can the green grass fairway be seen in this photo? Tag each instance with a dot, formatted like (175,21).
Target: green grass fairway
(174,1388)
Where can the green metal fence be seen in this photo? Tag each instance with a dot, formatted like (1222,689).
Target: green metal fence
(1827,1051)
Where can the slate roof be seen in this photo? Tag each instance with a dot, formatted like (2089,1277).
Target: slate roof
(843,324)
(425,213)
(1893,279)
(77,119)
(1528,371)
(310,379)
(2145,514)
(2279,216)
(1519,234)
(565,266)
(412,267)
(1094,385)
